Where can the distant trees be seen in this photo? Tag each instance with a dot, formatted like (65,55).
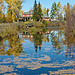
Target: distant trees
(14,10)
(37,11)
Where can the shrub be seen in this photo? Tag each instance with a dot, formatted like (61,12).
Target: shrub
(45,23)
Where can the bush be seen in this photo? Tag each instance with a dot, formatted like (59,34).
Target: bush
(45,23)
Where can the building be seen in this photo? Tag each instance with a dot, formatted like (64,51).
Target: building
(47,18)
(28,16)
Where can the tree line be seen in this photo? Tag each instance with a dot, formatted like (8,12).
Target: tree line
(56,12)
(14,11)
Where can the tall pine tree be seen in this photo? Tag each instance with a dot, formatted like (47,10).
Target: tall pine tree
(53,10)
(39,12)
(35,12)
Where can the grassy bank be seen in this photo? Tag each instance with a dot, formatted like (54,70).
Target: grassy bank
(8,29)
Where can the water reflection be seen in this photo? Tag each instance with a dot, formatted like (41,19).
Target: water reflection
(14,46)
(48,51)
(70,42)
(37,37)
(56,39)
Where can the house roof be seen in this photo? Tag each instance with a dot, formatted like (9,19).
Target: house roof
(28,13)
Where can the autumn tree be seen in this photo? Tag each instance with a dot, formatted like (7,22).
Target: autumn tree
(9,15)
(73,16)
(64,11)
(70,18)
(59,11)
(45,11)
(2,7)
(15,7)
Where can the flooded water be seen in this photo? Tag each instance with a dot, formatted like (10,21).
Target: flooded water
(38,53)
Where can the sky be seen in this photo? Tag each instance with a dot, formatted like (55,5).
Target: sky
(28,4)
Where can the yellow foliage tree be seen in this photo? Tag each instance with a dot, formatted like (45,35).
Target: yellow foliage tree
(15,7)
(45,11)
(1,11)
(9,16)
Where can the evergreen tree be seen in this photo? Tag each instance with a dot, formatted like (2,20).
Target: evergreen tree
(39,12)
(53,10)
(35,12)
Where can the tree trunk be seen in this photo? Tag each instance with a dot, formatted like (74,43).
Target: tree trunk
(17,19)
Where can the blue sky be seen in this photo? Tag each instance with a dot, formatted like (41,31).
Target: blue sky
(28,4)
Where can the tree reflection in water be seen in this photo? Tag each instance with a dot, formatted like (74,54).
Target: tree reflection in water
(15,46)
(37,40)
(38,36)
(56,39)
(70,41)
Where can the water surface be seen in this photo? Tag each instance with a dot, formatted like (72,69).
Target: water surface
(48,52)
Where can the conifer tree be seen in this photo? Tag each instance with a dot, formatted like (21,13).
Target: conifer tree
(35,12)
(39,12)
(53,10)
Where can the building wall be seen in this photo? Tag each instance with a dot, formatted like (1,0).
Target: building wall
(27,15)
(46,19)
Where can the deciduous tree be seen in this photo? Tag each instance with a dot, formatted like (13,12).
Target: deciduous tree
(15,7)
(2,16)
